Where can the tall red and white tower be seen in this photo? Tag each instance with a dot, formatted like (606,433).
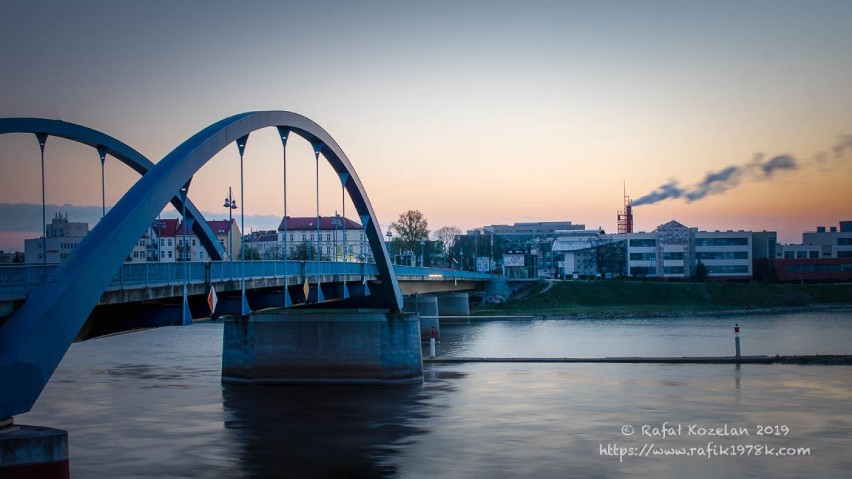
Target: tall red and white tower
(625,217)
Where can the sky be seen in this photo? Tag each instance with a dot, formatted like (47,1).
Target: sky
(720,115)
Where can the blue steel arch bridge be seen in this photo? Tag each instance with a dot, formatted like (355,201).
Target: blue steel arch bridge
(45,314)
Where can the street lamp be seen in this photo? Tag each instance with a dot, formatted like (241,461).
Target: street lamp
(159,224)
(231,205)
(336,222)
(185,314)
(422,243)
(389,235)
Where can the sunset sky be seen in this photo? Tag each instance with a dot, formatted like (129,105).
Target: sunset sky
(473,112)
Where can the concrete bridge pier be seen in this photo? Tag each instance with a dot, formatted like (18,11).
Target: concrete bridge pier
(31,451)
(453,304)
(322,346)
(426,306)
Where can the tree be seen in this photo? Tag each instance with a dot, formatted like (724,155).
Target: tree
(447,235)
(410,227)
(610,257)
(249,253)
(303,251)
(701,272)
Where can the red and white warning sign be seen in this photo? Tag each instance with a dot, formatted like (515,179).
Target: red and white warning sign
(212,300)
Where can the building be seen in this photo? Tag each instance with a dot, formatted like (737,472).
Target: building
(302,238)
(520,250)
(228,234)
(161,244)
(823,255)
(165,240)
(62,237)
(673,251)
(588,253)
(139,253)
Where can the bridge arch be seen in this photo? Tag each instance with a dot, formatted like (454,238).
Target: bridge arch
(123,153)
(35,338)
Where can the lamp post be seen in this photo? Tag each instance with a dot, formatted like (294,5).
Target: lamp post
(231,205)
(42,140)
(159,224)
(186,317)
(422,244)
(336,222)
(389,235)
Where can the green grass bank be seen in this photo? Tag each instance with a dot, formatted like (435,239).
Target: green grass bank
(641,298)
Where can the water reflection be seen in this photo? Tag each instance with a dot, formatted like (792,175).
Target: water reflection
(321,431)
(151,404)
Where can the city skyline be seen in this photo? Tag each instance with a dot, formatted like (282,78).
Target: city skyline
(733,116)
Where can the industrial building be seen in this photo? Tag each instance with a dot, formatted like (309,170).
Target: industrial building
(823,255)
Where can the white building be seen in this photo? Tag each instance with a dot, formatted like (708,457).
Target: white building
(62,237)
(577,252)
(303,231)
(673,251)
(139,254)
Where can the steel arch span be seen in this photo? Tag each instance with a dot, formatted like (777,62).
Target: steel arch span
(35,338)
(106,144)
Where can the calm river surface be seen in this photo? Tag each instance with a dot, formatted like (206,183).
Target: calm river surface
(150,404)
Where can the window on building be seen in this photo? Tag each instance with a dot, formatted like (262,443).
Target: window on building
(193,241)
(643,243)
(741,241)
(641,271)
(312,236)
(291,237)
(727,269)
(789,254)
(170,253)
(162,242)
(844,241)
(844,254)
(801,254)
(328,236)
(813,254)
(705,255)
(170,241)
(643,256)
(673,270)
(673,256)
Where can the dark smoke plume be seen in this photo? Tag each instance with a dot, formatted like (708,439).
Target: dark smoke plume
(718,182)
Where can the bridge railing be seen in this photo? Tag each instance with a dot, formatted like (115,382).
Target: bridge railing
(437,274)
(16,281)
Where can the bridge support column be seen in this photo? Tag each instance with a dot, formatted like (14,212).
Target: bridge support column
(427,307)
(31,451)
(281,346)
(454,304)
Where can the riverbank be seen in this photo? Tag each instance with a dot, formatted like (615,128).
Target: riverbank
(622,299)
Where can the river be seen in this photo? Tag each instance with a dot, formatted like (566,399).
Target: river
(150,404)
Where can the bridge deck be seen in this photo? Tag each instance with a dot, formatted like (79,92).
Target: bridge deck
(139,281)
